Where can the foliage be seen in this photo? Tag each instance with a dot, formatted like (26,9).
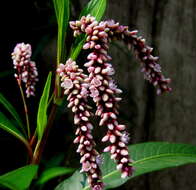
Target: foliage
(148,157)
(19,179)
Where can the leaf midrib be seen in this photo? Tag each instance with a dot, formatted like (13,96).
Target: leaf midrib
(145,159)
(100,5)
(163,155)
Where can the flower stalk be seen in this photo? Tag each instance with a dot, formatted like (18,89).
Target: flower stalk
(26,72)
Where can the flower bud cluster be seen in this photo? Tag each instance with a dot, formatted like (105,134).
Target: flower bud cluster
(73,82)
(150,67)
(26,69)
(112,31)
(103,89)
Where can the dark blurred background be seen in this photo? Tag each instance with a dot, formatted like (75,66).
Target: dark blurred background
(168,25)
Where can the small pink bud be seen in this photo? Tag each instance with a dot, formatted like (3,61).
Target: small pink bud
(112,139)
(113,156)
(105,97)
(88,64)
(119,166)
(124,152)
(86,166)
(121,144)
(105,138)
(94,38)
(84,118)
(97,46)
(96,82)
(94,175)
(76,140)
(113,149)
(86,142)
(70,104)
(109,105)
(121,127)
(76,101)
(110,126)
(92,56)
(124,160)
(113,116)
(76,119)
(97,70)
(86,46)
(107,149)
(84,128)
(124,175)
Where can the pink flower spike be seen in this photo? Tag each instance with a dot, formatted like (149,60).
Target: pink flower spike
(76,85)
(26,69)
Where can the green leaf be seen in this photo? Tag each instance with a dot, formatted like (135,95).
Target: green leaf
(62,10)
(8,106)
(19,179)
(77,46)
(95,8)
(43,106)
(76,182)
(148,157)
(151,157)
(6,125)
(51,173)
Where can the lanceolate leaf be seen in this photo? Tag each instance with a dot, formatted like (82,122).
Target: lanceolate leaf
(62,10)
(51,173)
(77,46)
(95,8)
(148,157)
(19,179)
(12,111)
(6,125)
(43,106)
(99,9)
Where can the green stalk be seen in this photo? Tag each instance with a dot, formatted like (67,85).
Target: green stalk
(42,142)
(25,108)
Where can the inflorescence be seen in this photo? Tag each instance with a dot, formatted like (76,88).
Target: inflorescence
(26,70)
(101,87)
(76,87)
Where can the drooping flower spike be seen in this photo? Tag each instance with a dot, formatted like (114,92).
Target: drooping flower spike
(75,86)
(112,31)
(150,67)
(104,90)
(26,70)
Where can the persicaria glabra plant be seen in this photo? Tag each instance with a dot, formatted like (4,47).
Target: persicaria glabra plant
(101,87)
(86,85)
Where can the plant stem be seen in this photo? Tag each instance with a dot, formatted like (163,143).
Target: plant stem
(33,140)
(42,142)
(25,108)
(29,149)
